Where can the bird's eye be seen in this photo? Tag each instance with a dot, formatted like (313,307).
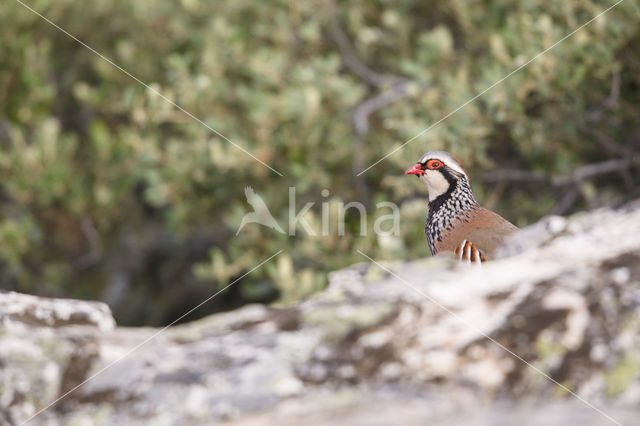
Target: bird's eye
(434,164)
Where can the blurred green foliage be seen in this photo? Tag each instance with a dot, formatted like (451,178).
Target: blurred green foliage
(109,192)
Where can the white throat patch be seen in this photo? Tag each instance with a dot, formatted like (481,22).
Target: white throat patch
(436,183)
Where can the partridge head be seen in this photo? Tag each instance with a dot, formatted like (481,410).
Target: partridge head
(456,221)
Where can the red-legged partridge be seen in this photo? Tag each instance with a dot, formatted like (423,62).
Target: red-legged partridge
(456,222)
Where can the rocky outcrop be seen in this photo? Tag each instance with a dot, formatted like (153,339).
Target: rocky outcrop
(417,342)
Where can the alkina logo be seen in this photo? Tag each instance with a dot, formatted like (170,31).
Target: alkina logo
(384,225)
(260,214)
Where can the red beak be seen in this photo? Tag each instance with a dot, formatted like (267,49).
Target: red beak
(415,170)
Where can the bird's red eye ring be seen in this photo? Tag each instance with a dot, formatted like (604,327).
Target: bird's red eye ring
(434,164)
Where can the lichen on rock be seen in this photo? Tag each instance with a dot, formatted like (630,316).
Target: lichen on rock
(563,300)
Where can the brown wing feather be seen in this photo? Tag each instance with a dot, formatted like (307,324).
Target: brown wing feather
(484,229)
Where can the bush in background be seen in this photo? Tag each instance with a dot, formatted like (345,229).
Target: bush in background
(109,192)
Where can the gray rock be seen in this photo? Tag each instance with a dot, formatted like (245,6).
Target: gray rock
(416,342)
(22,311)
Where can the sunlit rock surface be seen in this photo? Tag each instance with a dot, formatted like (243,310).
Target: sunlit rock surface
(429,343)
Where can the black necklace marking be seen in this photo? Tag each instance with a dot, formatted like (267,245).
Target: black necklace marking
(456,203)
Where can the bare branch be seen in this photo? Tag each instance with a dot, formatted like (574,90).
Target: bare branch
(514,175)
(350,60)
(396,86)
(371,105)
(567,201)
(94,255)
(614,93)
(591,170)
(353,63)
(581,173)
(393,88)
